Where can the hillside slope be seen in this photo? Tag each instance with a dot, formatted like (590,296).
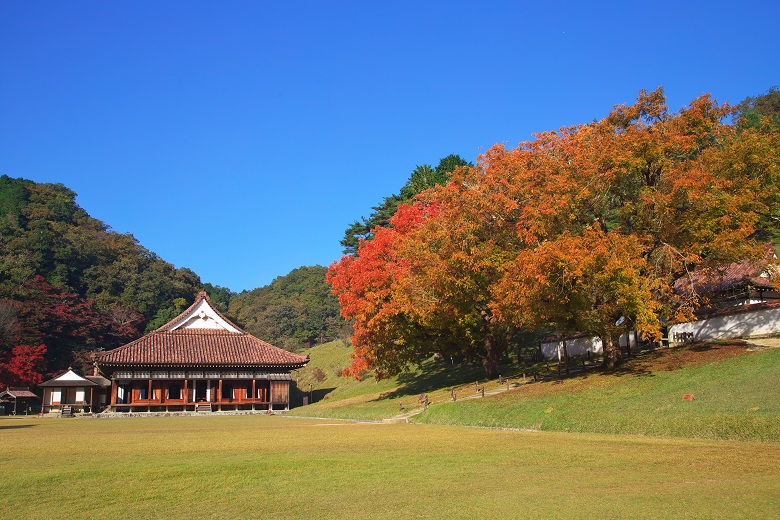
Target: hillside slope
(736,395)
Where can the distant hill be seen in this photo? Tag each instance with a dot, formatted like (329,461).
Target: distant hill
(70,282)
(294,311)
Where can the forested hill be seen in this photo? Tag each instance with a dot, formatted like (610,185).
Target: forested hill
(70,283)
(295,310)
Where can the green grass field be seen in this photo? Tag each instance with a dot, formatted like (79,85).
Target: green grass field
(734,398)
(369,399)
(267,466)
(612,445)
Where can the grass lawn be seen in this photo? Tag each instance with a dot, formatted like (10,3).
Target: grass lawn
(736,396)
(266,466)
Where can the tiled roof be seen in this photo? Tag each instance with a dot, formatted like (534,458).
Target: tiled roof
(19,393)
(200,347)
(738,309)
(732,276)
(99,380)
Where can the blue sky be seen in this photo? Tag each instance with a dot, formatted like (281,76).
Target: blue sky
(240,139)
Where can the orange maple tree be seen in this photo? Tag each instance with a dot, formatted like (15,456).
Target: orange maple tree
(620,208)
(584,229)
(364,285)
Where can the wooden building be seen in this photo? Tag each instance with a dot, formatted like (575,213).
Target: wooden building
(199,361)
(743,301)
(69,393)
(17,400)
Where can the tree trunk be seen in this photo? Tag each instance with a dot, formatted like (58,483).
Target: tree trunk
(611,348)
(492,358)
(491,362)
(494,344)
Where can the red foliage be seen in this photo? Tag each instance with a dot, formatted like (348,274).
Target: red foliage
(64,322)
(363,285)
(23,366)
(48,312)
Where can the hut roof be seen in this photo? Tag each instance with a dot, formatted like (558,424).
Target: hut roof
(69,378)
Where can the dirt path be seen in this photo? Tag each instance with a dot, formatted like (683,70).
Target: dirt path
(404,417)
(765,342)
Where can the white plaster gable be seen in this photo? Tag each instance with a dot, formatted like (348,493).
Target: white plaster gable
(70,375)
(202,316)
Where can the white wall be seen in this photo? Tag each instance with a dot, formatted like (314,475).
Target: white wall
(579,347)
(763,322)
(575,347)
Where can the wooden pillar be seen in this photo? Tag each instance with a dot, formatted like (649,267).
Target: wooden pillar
(254,390)
(219,392)
(186,392)
(149,394)
(113,392)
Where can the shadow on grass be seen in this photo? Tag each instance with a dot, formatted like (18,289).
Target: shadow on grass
(319,394)
(632,367)
(706,347)
(16,426)
(435,376)
(635,366)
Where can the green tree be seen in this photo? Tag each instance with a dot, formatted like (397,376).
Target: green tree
(295,310)
(44,233)
(220,296)
(752,110)
(421,178)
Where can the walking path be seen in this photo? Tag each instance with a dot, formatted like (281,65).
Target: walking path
(764,342)
(404,417)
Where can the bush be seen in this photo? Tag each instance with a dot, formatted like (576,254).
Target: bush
(318,374)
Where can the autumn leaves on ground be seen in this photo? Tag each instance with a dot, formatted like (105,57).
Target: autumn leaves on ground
(735,388)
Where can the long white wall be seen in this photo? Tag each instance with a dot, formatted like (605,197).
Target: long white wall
(575,347)
(757,323)
(579,347)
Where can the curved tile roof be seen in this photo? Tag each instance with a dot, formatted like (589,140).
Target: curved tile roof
(200,347)
(739,274)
